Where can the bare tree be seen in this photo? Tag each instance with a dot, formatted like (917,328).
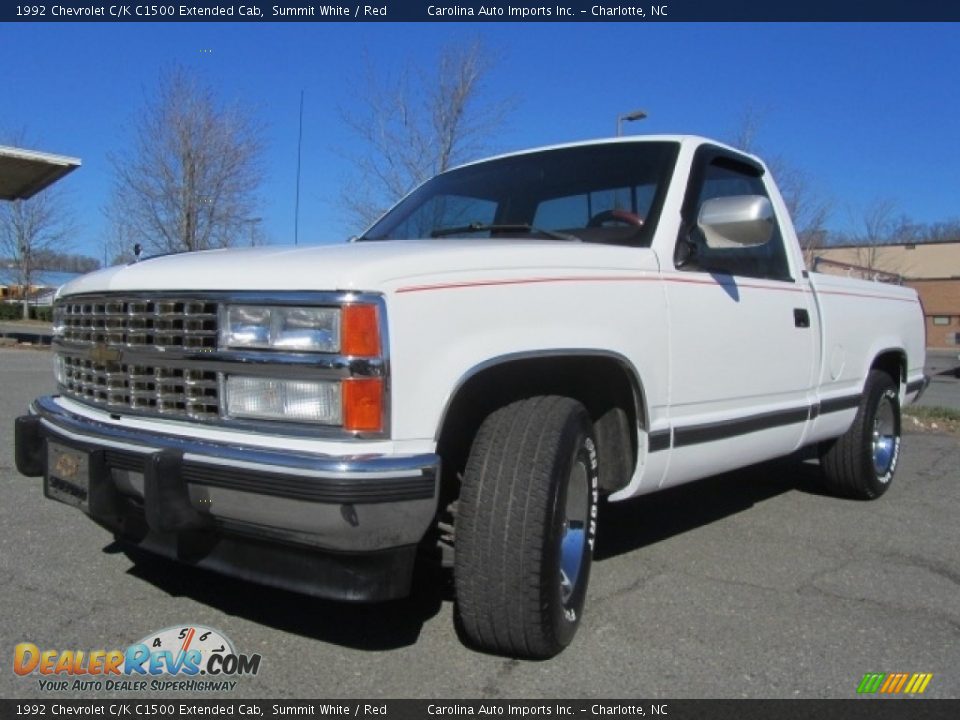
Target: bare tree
(809,208)
(415,123)
(190,179)
(747,131)
(30,229)
(119,242)
(878,224)
(943,231)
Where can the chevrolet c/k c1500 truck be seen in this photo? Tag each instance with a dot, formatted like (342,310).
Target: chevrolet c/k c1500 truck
(514,339)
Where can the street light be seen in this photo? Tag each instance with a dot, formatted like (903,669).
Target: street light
(25,279)
(629,117)
(252,222)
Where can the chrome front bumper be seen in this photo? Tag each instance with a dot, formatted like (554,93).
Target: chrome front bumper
(294,508)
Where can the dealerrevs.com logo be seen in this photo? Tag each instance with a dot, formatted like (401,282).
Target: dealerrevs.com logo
(184,657)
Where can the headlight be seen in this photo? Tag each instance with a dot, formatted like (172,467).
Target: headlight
(299,329)
(60,369)
(58,320)
(313,401)
(355,401)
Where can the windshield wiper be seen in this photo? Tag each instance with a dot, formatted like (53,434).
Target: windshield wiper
(512,227)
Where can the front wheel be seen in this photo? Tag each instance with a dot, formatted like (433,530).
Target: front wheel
(861,463)
(525,527)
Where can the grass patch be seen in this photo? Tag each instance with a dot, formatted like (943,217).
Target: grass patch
(933,413)
(932,418)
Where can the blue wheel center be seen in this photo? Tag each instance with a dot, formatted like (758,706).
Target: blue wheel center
(883,454)
(573,541)
(571,556)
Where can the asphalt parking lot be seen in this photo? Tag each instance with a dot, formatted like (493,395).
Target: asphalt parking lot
(753,584)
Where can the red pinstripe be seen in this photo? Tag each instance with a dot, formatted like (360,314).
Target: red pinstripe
(627,278)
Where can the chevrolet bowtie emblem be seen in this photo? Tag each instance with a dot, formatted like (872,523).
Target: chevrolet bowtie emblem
(66,467)
(103,354)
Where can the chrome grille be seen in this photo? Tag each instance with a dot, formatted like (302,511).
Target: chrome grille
(167,391)
(114,328)
(131,322)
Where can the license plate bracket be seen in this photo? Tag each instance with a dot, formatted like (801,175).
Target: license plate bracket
(68,475)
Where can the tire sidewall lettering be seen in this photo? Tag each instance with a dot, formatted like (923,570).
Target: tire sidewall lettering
(586,452)
(593,466)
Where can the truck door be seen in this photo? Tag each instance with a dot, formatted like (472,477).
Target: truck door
(743,335)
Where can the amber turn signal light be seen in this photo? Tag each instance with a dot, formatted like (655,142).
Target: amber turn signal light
(363,404)
(360,331)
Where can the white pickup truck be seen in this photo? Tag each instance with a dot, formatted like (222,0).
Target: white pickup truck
(514,339)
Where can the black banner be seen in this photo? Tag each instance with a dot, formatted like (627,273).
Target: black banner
(473,11)
(860,709)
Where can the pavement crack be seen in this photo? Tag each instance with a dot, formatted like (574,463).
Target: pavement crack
(627,589)
(492,689)
(48,593)
(884,604)
(931,566)
(734,583)
(812,586)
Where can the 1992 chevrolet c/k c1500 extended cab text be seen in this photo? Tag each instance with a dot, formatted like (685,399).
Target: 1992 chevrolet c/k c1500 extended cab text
(515,338)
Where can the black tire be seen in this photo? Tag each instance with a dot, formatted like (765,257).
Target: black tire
(529,489)
(861,463)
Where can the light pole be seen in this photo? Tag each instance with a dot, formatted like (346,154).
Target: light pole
(252,222)
(25,284)
(629,117)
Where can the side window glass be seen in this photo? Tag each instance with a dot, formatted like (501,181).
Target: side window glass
(728,178)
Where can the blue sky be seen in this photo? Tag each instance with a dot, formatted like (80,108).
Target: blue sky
(867,111)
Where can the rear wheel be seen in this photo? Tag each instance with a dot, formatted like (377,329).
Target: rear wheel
(525,528)
(861,463)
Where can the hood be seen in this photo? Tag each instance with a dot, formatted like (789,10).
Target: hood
(373,266)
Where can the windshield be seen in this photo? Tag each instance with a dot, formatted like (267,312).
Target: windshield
(608,193)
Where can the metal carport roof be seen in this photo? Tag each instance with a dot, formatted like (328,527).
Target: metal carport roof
(24,173)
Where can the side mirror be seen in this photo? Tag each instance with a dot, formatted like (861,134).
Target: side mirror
(737,221)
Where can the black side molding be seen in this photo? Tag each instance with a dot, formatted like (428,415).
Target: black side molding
(838,404)
(658,440)
(710,432)
(733,427)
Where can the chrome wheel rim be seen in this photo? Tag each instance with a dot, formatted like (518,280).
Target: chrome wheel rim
(884,437)
(574,537)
